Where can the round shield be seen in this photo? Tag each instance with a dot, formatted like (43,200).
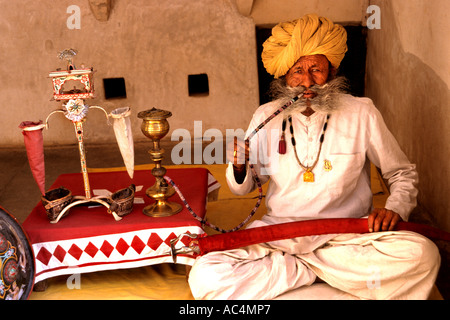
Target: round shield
(17,267)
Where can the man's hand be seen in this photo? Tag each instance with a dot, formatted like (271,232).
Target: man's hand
(237,152)
(383,220)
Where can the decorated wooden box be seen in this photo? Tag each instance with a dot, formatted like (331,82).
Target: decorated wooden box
(72,84)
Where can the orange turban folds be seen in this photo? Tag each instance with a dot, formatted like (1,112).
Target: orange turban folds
(306,36)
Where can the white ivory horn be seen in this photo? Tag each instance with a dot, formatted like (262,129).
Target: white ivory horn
(124,136)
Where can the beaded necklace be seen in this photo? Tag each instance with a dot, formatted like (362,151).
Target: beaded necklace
(308,176)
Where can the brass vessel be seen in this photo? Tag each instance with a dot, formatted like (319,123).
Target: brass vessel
(155,127)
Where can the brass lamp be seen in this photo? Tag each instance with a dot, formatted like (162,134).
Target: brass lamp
(155,127)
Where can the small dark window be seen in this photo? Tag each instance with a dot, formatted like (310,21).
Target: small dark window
(198,84)
(114,88)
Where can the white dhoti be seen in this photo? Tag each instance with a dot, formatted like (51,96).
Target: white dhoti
(381,265)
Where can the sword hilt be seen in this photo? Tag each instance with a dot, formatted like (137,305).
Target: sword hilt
(191,248)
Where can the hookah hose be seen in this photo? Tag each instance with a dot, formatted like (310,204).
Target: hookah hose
(258,182)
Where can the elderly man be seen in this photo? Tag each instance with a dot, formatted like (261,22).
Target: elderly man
(317,165)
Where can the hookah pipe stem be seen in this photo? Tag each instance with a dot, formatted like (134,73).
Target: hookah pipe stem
(79,133)
(273,115)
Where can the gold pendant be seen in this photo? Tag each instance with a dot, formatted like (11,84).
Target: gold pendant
(327,165)
(308,176)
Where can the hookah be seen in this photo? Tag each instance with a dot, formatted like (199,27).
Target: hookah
(155,126)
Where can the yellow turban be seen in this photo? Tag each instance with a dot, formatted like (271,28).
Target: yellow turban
(306,36)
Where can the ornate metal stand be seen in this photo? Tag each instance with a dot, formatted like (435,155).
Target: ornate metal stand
(76,111)
(58,201)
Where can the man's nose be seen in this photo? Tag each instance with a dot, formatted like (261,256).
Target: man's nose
(307,81)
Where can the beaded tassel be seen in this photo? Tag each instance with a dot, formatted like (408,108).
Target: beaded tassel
(282,142)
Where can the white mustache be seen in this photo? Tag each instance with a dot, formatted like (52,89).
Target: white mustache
(325,96)
(316,89)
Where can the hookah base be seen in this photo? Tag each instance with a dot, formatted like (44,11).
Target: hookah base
(162,209)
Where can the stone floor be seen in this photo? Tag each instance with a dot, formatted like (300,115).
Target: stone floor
(19,193)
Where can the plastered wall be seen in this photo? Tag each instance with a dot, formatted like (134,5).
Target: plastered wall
(408,78)
(153,45)
(271,12)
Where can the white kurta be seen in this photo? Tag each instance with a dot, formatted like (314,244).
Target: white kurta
(382,265)
(355,134)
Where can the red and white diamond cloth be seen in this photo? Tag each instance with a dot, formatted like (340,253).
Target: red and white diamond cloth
(89,239)
(116,251)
